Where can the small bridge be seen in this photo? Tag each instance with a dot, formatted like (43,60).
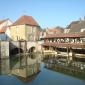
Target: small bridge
(8,48)
(22,46)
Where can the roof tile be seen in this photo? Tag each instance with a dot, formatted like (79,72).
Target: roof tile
(26,20)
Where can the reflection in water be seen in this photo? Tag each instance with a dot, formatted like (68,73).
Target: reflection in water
(45,77)
(75,69)
(48,77)
(25,65)
(9,80)
(28,79)
(68,71)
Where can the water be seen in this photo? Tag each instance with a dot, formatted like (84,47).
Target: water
(45,77)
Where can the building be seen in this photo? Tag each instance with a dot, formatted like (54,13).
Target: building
(25,28)
(55,30)
(51,31)
(69,45)
(5,23)
(4,29)
(76,26)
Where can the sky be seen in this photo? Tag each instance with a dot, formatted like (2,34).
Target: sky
(48,13)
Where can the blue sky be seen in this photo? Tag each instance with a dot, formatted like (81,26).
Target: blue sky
(48,13)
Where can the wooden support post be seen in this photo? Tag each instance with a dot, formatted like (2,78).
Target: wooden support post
(73,55)
(67,54)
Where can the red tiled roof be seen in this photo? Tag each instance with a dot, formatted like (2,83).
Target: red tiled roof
(55,30)
(76,26)
(67,35)
(54,44)
(2,30)
(25,20)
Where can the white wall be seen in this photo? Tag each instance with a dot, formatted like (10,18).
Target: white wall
(8,33)
(6,23)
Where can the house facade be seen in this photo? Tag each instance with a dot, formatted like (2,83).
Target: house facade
(25,28)
(76,26)
(4,29)
(55,30)
(5,23)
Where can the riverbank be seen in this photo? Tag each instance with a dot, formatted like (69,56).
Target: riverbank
(67,70)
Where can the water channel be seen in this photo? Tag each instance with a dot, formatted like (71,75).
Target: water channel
(45,77)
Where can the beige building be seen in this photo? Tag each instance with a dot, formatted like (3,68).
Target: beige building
(25,28)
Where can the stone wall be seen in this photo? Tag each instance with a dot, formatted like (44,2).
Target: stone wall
(4,57)
(26,71)
(25,45)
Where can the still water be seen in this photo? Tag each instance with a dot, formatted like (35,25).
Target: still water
(45,77)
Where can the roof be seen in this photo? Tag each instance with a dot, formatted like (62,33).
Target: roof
(2,21)
(55,44)
(76,26)
(66,35)
(2,30)
(55,30)
(25,20)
